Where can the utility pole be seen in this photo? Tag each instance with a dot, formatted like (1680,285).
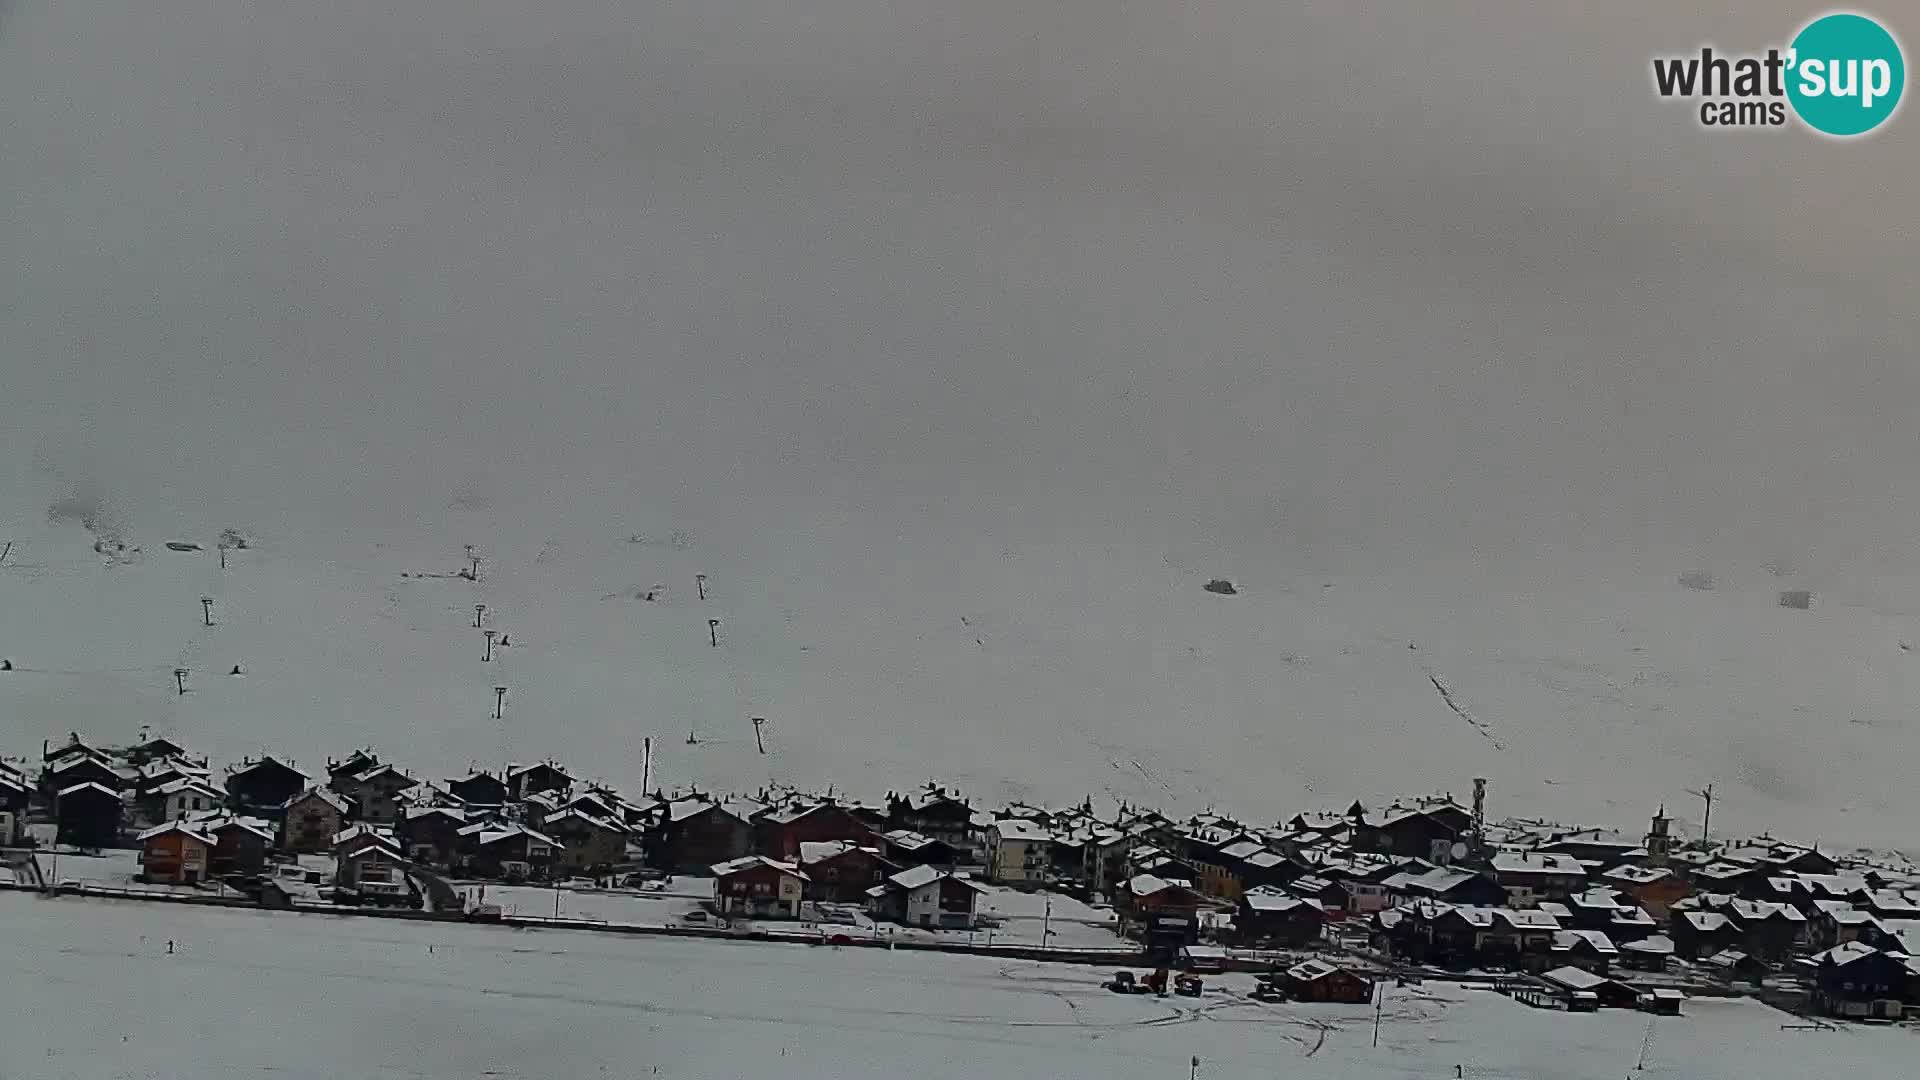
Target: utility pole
(713,632)
(700,583)
(1379,1004)
(499,702)
(1046,929)
(206,609)
(1193,1068)
(1706,824)
(646,763)
(758,721)
(180,679)
(487,656)
(223,556)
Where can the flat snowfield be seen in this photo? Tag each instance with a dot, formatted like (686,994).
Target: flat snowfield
(94,994)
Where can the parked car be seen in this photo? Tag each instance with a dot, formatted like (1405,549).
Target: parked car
(694,917)
(1123,983)
(484,913)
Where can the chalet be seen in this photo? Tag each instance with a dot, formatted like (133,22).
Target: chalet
(179,798)
(843,871)
(264,783)
(1019,852)
(175,854)
(431,834)
(83,769)
(375,792)
(1425,830)
(759,887)
(1268,916)
(1655,889)
(509,852)
(1837,922)
(695,833)
(89,815)
(906,848)
(1530,877)
(480,788)
(1605,993)
(372,871)
(1732,879)
(1770,931)
(310,820)
(525,780)
(588,844)
(779,831)
(926,896)
(1320,981)
(1858,981)
(239,844)
(1590,950)
(936,813)
(1648,954)
(1699,934)
(1892,904)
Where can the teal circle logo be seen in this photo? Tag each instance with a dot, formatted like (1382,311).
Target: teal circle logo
(1847,74)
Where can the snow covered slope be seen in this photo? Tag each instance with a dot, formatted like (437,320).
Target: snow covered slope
(961,346)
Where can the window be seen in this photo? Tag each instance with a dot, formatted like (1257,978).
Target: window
(761,889)
(832,873)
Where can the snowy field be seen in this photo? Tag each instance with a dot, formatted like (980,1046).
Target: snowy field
(298,996)
(961,346)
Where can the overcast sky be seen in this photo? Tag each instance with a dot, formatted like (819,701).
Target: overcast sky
(1270,274)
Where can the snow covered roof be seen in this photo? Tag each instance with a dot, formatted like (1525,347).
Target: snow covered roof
(749,862)
(1021,829)
(1527,920)
(812,851)
(364,833)
(266,762)
(1573,978)
(414,813)
(1706,921)
(1241,850)
(326,795)
(682,809)
(1847,953)
(180,827)
(906,839)
(221,821)
(1272,901)
(1637,875)
(1537,862)
(1311,970)
(1571,939)
(1148,884)
(572,815)
(88,786)
(1656,944)
(187,785)
(499,833)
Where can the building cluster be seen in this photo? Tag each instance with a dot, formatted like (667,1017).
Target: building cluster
(1428,881)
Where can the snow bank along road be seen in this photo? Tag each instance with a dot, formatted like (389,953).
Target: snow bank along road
(246,994)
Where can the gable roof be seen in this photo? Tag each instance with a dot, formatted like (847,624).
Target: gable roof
(1564,940)
(750,862)
(326,795)
(88,786)
(266,762)
(1573,978)
(1537,862)
(180,827)
(1273,901)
